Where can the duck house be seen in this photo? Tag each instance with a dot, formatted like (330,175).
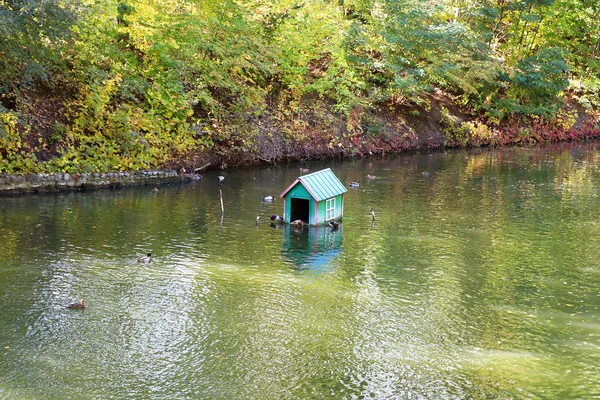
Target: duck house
(315,198)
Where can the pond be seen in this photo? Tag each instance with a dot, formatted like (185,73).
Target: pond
(479,278)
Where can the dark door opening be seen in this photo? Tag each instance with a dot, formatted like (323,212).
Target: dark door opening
(300,210)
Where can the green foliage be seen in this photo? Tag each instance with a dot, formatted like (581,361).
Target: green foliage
(540,78)
(532,88)
(456,134)
(587,92)
(146,81)
(15,155)
(33,38)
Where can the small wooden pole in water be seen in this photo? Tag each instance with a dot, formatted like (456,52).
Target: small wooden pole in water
(221,196)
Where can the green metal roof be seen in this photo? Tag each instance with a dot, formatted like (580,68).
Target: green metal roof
(323,184)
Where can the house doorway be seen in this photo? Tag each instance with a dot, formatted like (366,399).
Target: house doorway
(299,210)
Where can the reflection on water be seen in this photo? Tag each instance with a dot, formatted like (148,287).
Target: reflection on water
(312,248)
(478,279)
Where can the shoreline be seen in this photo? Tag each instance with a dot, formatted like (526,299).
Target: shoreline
(12,185)
(24,184)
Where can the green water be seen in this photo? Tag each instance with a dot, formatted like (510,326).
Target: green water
(480,278)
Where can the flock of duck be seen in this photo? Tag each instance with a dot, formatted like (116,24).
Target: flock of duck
(299,222)
(81,303)
(275,218)
(352,184)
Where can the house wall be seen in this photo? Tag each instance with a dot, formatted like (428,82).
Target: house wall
(299,192)
(339,203)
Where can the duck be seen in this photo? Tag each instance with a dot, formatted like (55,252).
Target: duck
(145,259)
(303,169)
(354,184)
(425,173)
(277,218)
(334,224)
(81,304)
(221,178)
(268,198)
(371,176)
(155,190)
(297,222)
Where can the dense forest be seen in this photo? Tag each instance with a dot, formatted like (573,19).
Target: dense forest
(115,85)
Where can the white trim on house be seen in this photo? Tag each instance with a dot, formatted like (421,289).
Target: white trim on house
(330,209)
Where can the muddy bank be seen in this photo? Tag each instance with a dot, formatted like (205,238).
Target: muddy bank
(321,134)
(440,123)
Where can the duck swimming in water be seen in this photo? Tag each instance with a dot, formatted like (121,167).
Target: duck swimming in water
(277,218)
(145,259)
(268,198)
(334,224)
(354,184)
(81,304)
(221,178)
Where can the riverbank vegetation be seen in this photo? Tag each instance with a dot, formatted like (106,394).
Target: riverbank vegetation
(91,86)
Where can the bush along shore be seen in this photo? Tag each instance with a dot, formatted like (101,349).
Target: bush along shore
(320,134)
